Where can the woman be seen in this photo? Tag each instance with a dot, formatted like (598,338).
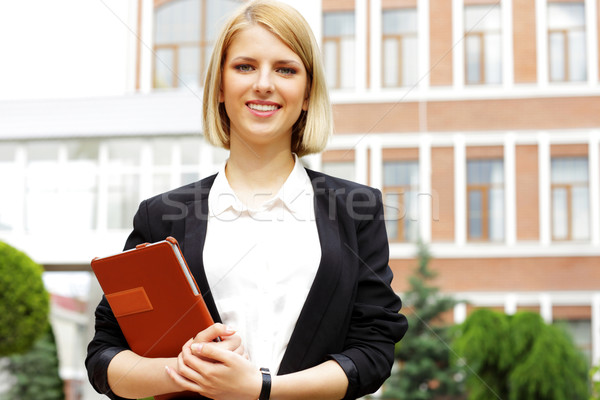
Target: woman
(295,260)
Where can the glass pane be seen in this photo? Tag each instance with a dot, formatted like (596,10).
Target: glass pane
(217,11)
(161,183)
(557,56)
(189,177)
(493,58)
(86,149)
(162,152)
(401,173)
(473,49)
(399,21)
(124,152)
(560,223)
(12,188)
(411,217)
(338,24)
(123,200)
(475,214)
(482,18)
(347,63)
(177,21)
(330,61)
(341,169)
(163,17)
(569,170)
(189,66)
(496,214)
(581,213)
(409,61)
(7,152)
(391,63)
(42,151)
(392,212)
(485,172)
(190,151)
(566,15)
(577,56)
(163,68)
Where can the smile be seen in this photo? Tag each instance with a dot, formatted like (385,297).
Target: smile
(262,107)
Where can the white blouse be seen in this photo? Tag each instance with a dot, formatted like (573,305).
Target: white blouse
(260,263)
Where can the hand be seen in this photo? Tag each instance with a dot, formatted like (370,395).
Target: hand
(227,339)
(215,372)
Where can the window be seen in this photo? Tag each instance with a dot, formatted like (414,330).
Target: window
(338,49)
(581,332)
(483,44)
(183,39)
(341,169)
(80,188)
(566,41)
(399,47)
(124,181)
(11,183)
(43,181)
(400,197)
(485,200)
(570,198)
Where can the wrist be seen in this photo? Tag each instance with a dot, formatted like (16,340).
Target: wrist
(265,390)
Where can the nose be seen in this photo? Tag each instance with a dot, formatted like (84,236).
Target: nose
(264,82)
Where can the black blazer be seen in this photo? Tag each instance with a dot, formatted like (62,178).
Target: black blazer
(351,313)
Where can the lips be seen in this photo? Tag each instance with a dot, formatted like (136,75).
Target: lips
(263,107)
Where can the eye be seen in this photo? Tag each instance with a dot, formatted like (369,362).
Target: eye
(244,67)
(286,71)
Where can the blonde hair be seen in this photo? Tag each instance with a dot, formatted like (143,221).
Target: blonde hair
(311,131)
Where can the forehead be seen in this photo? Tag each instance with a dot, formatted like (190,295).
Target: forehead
(256,40)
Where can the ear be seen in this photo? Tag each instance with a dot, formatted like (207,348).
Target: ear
(305,104)
(221,96)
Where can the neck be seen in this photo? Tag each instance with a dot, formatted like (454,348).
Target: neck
(257,174)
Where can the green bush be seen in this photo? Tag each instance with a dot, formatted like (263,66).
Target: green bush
(24,302)
(519,357)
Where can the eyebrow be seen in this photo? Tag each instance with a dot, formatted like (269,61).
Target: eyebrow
(279,62)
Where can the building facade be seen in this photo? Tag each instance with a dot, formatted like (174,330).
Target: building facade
(478,119)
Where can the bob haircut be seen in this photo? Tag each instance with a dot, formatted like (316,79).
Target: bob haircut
(313,128)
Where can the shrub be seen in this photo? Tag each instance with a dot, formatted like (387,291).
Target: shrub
(24,302)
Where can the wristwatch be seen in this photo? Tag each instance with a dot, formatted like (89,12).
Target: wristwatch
(265,391)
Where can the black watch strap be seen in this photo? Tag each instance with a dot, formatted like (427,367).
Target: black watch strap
(265,391)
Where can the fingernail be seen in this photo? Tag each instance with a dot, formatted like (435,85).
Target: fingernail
(167,369)
(229,329)
(197,347)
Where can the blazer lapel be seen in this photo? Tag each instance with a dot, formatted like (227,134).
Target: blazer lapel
(323,286)
(196,222)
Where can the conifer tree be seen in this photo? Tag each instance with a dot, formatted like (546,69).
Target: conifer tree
(423,368)
(35,372)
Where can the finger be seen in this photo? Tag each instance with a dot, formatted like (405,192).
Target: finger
(212,352)
(231,343)
(213,332)
(183,382)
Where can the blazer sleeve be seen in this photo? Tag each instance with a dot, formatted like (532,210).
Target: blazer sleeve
(376,324)
(108,339)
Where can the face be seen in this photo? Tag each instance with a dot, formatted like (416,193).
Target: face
(264,88)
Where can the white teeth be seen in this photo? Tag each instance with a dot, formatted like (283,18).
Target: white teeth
(262,107)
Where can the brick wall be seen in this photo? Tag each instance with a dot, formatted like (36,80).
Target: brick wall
(524,41)
(467,115)
(506,274)
(442,186)
(527,188)
(440,52)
